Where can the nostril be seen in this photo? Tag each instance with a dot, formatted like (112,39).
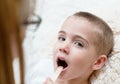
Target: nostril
(64,50)
(60,49)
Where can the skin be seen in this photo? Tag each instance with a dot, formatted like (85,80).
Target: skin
(76,47)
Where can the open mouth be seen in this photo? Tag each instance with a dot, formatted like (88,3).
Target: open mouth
(61,62)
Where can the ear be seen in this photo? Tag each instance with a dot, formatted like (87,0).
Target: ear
(99,63)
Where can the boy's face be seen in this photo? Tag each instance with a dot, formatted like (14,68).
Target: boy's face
(74,49)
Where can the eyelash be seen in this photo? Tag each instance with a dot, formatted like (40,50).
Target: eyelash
(78,44)
(61,38)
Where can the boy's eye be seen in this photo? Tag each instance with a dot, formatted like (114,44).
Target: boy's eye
(79,44)
(61,38)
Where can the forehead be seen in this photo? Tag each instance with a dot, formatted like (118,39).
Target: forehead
(77,23)
(80,26)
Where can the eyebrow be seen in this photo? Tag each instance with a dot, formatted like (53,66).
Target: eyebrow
(62,32)
(78,36)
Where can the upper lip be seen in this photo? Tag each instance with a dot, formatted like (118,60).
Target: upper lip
(63,60)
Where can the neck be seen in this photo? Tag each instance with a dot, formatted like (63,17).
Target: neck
(73,81)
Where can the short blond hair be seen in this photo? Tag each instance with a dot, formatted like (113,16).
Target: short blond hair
(104,40)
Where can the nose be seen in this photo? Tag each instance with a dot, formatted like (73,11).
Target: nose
(64,48)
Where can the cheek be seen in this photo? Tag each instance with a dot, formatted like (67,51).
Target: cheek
(81,63)
(77,60)
(55,49)
(79,57)
(56,46)
(77,54)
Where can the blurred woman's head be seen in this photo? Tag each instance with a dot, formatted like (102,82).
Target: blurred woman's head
(13,13)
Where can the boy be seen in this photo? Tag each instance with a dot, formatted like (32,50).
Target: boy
(84,43)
